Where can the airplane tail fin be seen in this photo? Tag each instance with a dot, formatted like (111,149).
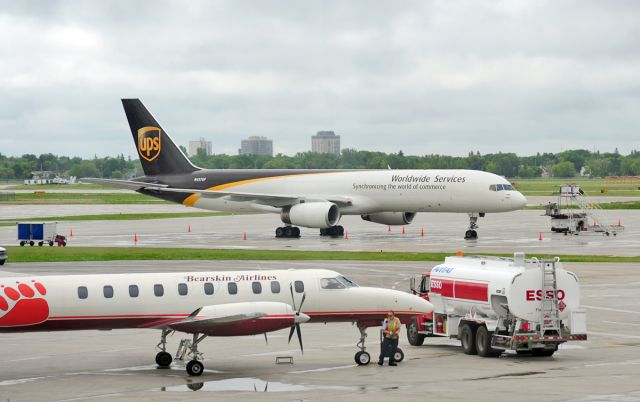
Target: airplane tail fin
(157,152)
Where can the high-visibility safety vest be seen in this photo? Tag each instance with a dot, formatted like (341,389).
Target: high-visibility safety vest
(392,326)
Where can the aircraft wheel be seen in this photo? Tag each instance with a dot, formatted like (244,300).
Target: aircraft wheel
(288,232)
(399,355)
(470,235)
(323,232)
(163,359)
(194,368)
(468,340)
(280,232)
(362,358)
(296,232)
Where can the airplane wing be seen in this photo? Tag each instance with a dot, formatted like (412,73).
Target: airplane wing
(231,319)
(276,200)
(124,184)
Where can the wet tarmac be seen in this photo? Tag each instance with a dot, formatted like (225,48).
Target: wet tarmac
(498,233)
(118,365)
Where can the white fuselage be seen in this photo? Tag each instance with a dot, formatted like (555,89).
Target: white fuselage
(153,300)
(374,191)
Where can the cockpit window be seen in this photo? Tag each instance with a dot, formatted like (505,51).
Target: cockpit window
(331,283)
(347,282)
(501,187)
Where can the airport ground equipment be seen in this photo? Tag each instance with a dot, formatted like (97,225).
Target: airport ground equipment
(495,304)
(574,209)
(40,233)
(3,255)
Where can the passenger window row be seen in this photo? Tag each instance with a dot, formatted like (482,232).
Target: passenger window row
(183,289)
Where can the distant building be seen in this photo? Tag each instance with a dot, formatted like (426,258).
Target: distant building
(256,146)
(325,142)
(194,146)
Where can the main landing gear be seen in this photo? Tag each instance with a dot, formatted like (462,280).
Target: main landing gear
(471,233)
(188,347)
(288,232)
(333,231)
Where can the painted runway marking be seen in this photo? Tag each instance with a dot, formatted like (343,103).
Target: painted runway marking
(611,309)
(21,380)
(320,370)
(622,363)
(621,323)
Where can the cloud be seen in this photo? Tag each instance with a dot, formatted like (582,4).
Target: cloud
(420,76)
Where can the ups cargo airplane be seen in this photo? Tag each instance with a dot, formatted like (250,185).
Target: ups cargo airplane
(224,303)
(309,198)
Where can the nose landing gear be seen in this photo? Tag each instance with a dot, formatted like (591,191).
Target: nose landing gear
(362,357)
(471,233)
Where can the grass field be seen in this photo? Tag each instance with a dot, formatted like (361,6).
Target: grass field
(52,254)
(82,198)
(20,186)
(592,187)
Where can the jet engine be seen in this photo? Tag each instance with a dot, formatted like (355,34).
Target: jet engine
(311,214)
(390,218)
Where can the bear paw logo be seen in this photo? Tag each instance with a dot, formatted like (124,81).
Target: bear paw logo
(23,304)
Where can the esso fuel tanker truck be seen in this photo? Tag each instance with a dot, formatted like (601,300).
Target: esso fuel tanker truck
(495,304)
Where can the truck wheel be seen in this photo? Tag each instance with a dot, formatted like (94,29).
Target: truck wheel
(483,343)
(40,244)
(31,243)
(2,262)
(21,244)
(413,336)
(50,244)
(468,339)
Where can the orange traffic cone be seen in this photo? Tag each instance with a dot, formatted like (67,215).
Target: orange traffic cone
(135,238)
(346,235)
(403,230)
(71,231)
(244,235)
(540,236)
(619,224)
(422,232)
(389,228)
(189,229)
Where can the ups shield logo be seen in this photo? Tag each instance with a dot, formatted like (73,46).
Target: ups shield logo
(149,142)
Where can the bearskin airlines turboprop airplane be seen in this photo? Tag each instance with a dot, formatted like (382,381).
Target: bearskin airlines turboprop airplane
(309,198)
(225,303)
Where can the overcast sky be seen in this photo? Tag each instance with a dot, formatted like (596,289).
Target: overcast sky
(422,77)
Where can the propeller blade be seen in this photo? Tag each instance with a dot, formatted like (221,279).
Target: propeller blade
(293,328)
(293,300)
(299,337)
(304,296)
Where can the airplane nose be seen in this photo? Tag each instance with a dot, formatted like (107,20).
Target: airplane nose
(300,318)
(519,201)
(420,305)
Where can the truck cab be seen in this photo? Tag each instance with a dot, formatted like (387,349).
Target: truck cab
(421,326)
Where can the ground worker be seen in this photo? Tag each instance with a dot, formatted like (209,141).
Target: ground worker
(391,332)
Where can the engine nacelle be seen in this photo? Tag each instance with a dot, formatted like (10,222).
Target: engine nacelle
(311,214)
(390,218)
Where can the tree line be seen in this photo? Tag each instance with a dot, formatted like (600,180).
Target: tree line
(563,164)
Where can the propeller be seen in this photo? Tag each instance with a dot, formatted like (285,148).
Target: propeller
(296,326)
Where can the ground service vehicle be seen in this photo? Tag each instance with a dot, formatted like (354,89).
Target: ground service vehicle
(497,304)
(36,232)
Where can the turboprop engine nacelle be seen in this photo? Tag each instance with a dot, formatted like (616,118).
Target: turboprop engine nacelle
(311,214)
(390,218)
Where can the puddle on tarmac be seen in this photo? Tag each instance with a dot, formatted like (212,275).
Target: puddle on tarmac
(251,385)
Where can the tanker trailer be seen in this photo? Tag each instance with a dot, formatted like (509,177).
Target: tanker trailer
(494,304)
